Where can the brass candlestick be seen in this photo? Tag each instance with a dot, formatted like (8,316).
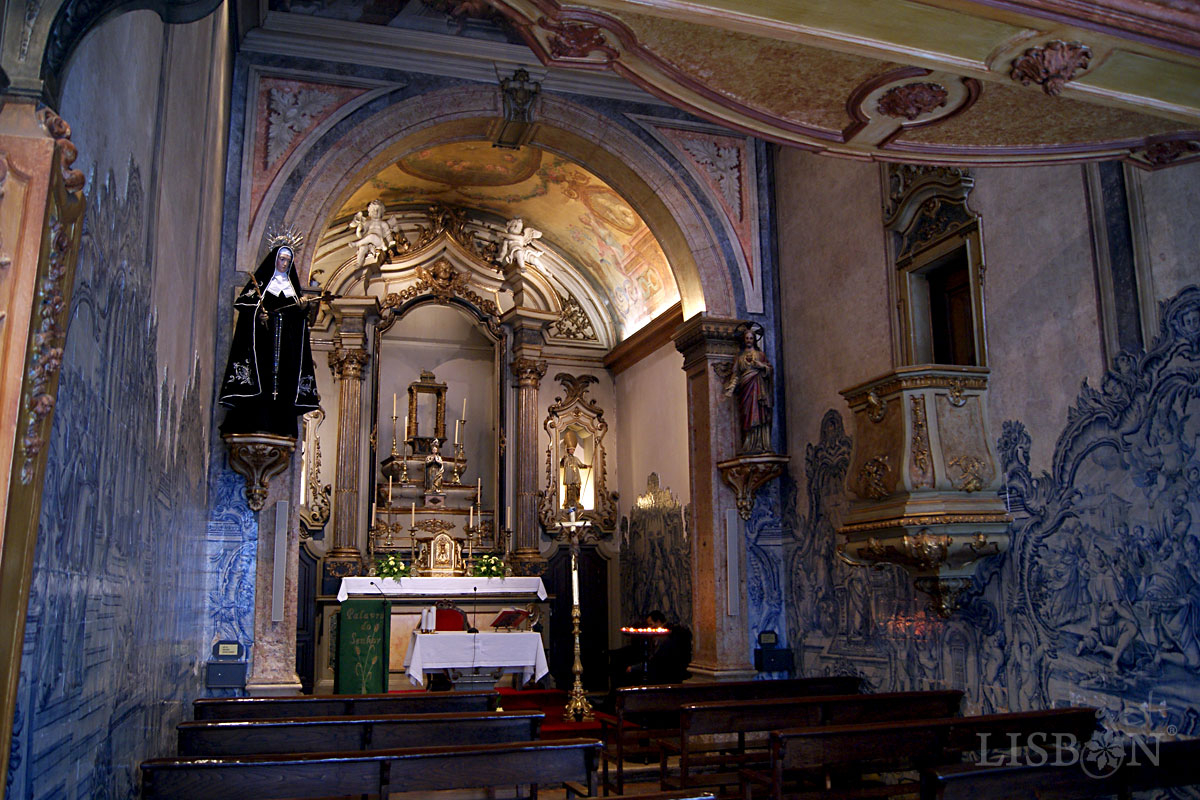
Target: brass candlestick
(577,702)
(404,464)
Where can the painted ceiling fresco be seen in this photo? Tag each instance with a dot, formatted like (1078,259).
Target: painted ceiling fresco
(578,214)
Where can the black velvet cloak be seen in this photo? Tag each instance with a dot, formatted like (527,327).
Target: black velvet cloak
(269,379)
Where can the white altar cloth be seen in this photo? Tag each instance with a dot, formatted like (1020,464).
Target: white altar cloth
(440,587)
(512,652)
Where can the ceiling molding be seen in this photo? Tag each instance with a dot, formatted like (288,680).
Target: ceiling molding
(707,56)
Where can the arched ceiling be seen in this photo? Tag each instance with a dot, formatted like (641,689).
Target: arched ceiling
(579,215)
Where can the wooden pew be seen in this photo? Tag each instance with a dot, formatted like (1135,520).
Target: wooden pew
(727,718)
(340,705)
(1169,765)
(835,751)
(381,732)
(643,713)
(351,774)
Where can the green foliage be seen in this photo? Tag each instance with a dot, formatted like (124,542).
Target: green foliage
(390,566)
(487,566)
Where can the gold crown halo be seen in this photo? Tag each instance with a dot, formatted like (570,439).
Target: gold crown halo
(289,235)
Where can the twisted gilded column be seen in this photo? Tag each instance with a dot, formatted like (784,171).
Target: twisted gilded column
(721,649)
(528,372)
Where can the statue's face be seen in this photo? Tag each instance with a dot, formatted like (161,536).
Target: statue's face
(283,260)
(375,210)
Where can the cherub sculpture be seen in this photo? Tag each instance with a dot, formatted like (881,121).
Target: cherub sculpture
(375,234)
(516,244)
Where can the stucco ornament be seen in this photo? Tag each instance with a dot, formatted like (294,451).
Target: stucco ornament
(375,234)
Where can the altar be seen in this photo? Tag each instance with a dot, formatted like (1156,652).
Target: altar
(480,598)
(475,658)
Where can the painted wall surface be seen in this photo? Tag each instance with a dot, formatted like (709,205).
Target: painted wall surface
(652,426)
(1043,331)
(1173,238)
(833,283)
(115,635)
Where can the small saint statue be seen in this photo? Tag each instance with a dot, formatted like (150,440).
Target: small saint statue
(434,468)
(750,380)
(571,465)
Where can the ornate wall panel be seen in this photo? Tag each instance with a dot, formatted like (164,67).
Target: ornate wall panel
(656,558)
(1098,600)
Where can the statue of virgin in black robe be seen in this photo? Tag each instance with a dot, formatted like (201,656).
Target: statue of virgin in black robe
(269,379)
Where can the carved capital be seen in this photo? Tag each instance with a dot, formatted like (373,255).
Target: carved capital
(708,337)
(529,371)
(348,363)
(747,474)
(258,457)
(1051,66)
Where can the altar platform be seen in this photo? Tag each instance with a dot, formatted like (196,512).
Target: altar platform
(480,598)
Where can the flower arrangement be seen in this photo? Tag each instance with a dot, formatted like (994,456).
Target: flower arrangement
(487,566)
(390,566)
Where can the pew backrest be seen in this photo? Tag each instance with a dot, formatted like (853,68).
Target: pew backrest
(402,770)
(334,705)
(380,732)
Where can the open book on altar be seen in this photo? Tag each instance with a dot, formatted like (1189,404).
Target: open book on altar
(510,618)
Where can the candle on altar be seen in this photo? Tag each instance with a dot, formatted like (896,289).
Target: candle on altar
(406,428)
(464,414)
(413,518)
(374,507)
(574,580)
(394,407)
(508,518)
(389,492)
(456,432)
(471,518)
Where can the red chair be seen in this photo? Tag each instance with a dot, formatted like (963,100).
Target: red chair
(449,617)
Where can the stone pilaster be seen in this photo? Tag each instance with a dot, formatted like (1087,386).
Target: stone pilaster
(528,372)
(348,361)
(721,649)
(272,669)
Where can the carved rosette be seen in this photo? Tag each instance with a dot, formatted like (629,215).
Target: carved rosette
(528,371)
(747,474)
(912,100)
(348,363)
(575,39)
(935,513)
(258,457)
(1051,66)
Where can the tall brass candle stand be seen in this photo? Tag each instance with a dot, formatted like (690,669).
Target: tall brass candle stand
(577,702)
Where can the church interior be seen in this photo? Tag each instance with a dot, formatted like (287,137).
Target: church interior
(859,339)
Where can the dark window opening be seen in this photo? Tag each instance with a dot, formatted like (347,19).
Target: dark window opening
(952,327)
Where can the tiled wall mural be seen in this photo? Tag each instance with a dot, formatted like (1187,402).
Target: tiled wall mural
(112,653)
(1098,600)
(656,560)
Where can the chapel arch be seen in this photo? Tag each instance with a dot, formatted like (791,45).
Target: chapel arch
(342,159)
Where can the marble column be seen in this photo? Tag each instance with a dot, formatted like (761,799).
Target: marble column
(721,649)
(528,372)
(41,217)
(348,361)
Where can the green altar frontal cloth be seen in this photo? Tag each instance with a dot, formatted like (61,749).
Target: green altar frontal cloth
(364,629)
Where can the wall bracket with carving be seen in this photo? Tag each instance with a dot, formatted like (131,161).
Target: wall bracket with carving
(258,457)
(747,474)
(925,475)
